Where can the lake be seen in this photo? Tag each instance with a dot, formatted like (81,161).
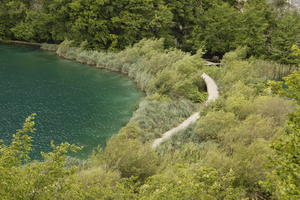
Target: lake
(74,103)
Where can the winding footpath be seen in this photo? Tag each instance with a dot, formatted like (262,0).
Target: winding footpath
(213,94)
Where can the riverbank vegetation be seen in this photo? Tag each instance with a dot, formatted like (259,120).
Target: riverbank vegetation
(245,144)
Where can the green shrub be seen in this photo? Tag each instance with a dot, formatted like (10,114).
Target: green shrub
(125,153)
(247,131)
(191,182)
(131,157)
(273,107)
(92,183)
(214,124)
(239,54)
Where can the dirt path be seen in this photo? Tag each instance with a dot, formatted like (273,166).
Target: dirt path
(213,94)
(212,88)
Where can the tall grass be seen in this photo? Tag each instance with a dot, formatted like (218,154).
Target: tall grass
(49,47)
(273,70)
(156,117)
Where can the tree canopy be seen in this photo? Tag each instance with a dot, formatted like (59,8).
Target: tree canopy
(217,26)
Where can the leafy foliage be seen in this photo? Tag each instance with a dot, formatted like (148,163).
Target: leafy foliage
(218,26)
(21,179)
(193,182)
(284,179)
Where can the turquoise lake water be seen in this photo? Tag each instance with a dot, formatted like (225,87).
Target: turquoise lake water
(74,103)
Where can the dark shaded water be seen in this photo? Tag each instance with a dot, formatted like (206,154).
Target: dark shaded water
(74,103)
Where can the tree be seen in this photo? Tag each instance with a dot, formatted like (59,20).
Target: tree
(257,20)
(296,53)
(21,179)
(11,13)
(289,87)
(218,30)
(187,16)
(35,27)
(284,180)
(284,36)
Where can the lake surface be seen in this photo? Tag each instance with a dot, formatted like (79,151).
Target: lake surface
(74,103)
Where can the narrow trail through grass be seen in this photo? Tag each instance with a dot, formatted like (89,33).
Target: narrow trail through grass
(213,94)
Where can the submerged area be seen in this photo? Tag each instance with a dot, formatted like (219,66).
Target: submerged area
(74,103)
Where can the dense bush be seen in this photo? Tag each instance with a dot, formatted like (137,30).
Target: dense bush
(191,182)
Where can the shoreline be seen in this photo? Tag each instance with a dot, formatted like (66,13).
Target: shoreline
(53,48)
(102,68)
(23,43)
(40,45)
